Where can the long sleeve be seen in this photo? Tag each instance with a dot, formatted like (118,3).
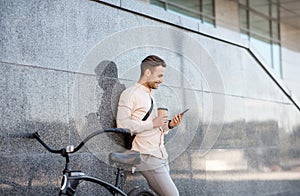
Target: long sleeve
(133,105)
(131,110)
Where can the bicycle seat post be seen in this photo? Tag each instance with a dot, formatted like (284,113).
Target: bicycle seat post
(119,175)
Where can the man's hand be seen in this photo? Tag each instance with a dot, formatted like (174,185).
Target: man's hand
(159,121)
(176,120)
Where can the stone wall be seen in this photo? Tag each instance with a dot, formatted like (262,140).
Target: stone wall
(64,64)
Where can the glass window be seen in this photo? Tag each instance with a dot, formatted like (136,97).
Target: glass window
(275,31)
(244,2)
(261,6)
(274,10)
(158,3)
(207,8)
(259,23)
(276,58)
(263,46)
(202,10)
(244,23)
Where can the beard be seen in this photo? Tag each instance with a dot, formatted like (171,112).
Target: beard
(153,85)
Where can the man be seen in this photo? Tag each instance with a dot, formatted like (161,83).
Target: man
(134,103)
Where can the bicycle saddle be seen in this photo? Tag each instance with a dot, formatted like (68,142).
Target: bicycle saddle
(127,157)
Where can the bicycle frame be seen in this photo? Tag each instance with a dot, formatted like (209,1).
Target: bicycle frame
(71,179)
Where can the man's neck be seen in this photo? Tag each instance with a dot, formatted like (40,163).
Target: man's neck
(142,82)
(145,85)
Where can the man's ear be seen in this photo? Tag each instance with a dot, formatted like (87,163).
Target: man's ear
(147,72)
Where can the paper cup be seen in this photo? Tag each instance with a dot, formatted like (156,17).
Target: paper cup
(162,112)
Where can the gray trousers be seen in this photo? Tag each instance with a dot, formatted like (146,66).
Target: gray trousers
(157,173)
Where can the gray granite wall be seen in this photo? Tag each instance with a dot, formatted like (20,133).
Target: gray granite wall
(64,64)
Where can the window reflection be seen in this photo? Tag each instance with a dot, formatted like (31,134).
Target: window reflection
(276,58)
(264,48)
(202,10)
(259,23)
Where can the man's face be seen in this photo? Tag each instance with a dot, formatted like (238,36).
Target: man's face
(156,77)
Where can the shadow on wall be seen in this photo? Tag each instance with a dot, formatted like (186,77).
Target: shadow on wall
(24,170)
(107,78)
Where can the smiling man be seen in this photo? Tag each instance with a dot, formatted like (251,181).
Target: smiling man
(137,111)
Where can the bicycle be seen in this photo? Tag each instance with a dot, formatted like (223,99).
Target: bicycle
(72,178)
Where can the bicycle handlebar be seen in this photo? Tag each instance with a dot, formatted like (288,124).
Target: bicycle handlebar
(116,130)
(69,149)
(22,135)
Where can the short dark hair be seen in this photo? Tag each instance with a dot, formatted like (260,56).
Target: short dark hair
(150,62)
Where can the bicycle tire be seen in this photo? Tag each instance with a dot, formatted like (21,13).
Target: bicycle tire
(141,191)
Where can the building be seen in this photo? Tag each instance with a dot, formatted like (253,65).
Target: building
(233,63)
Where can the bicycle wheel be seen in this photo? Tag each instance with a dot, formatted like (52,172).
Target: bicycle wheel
(141,191)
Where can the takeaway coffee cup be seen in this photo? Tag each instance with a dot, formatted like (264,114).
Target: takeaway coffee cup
(162,112)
